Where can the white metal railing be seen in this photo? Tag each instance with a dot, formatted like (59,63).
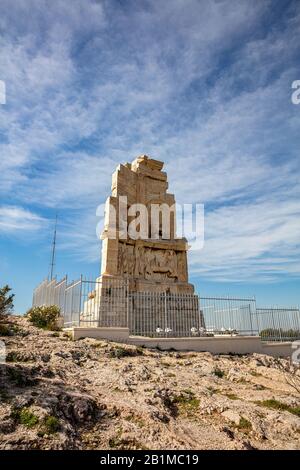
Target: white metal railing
(108,302)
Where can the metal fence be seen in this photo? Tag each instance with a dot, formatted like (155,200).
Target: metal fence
(278,324)
(84,302)
(108,302)
(104,303)
(164,314)
(229,315)
(66,296)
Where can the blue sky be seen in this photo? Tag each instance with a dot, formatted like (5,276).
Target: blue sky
(203,85)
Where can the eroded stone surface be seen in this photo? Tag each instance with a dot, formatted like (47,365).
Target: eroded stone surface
(137,398)
(151,264)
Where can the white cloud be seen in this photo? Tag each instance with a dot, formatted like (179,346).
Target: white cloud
(17,220)
(256,241)
(90,87)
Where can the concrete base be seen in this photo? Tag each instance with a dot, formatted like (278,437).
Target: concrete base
(215,345)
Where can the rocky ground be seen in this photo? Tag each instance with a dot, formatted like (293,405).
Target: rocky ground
(59,394)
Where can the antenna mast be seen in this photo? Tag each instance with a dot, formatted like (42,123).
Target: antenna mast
(53,250)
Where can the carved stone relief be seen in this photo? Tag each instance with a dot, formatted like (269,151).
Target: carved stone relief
(151,264)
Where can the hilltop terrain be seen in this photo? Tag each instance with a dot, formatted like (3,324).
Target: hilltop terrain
(59,394)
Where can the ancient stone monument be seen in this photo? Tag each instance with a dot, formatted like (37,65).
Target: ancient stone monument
(150,264)
(144,274)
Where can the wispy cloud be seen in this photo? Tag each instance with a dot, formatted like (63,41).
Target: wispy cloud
(17,220)
(202,85)
(255,241)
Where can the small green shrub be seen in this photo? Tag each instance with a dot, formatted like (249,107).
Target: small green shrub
(139,350)
(231,396)
(25,416)
(6,301)
(279,333)
(51,424)
(15,356)
(5,330)
(17,330)
(186,401)
(12,356)
(115,441)
(9,329)
(136,420)
(244,425)
(120,352)
(218,372)
(44,316)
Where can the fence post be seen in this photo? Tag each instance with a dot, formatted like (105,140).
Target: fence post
(256,316)
(273,322)
(280,334)
(65,296)
(127,302)
(251,326)
(166,315)
(80,299)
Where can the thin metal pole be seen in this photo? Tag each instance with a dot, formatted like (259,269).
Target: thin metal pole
(53,250)
(250,314)
(80,299)
(166,315)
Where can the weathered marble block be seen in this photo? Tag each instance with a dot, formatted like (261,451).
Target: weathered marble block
(154,265)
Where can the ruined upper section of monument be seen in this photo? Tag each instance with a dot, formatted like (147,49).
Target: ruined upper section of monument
(139,237)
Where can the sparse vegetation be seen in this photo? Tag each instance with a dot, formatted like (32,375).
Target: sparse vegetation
(170,374)
(255,374)
(186,402)
(231,396)
(218,372)
(244,425)
(242,380)
(5,330)
(15,356)
(12,356)
(140,350)
(136,420)
(212,390)
(280,333)
(115,441)
(6,301)
(25,416)
(166,364)
(51,424)
(280,406)
(45,317)
(130,401)
(291,372)
(6,307)
(9,329)
(120,352)
(19,376)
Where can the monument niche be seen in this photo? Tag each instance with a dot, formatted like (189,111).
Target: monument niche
(144,278)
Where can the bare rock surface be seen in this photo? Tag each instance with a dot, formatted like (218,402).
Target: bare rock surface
(59,394)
